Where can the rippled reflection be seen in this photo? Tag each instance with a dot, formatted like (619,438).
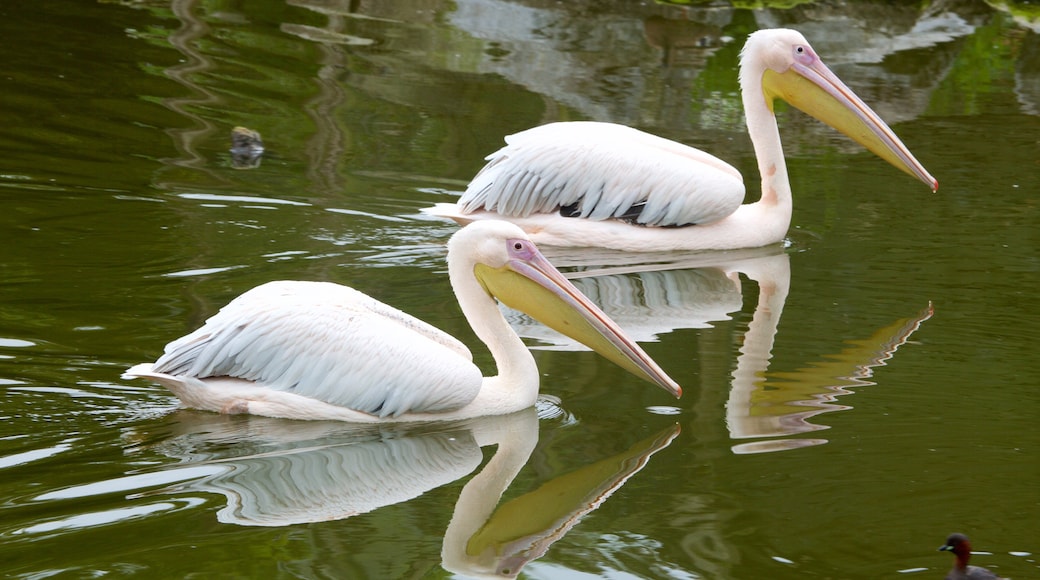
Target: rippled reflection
(650,300)
(126,221)
(281,473)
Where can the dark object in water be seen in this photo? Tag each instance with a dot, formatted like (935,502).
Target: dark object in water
(246,148)
(959,545)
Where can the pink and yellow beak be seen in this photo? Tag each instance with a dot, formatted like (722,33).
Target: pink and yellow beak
(811,87)
(529,283)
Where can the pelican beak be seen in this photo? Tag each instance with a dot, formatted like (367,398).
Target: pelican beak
(529,283)
(811,87)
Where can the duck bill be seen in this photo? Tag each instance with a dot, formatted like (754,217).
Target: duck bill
(818,92)
(532,285)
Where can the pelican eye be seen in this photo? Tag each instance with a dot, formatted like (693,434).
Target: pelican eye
(804,54)
(520,249)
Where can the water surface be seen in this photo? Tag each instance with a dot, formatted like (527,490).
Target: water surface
(851,397)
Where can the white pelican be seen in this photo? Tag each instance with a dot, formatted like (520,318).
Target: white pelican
(317,350)
(606,185)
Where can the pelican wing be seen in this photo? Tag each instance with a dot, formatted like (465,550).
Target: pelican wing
(331,343)
(602,171)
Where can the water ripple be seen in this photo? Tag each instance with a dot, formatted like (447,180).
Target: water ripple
(94,519)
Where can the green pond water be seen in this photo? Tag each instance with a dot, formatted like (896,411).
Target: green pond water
(850,397)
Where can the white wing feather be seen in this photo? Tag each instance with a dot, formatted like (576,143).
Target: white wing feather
(604,171)
(331,343)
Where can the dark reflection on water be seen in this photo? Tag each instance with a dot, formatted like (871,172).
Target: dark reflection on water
(126,222)
(279,473)
(694,291)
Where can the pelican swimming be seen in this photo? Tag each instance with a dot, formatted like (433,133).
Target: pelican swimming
(317,350)
(606,185)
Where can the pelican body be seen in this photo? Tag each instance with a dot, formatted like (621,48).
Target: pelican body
(317,350)
(605,185)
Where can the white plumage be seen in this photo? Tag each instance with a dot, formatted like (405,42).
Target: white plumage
(606,185)
(317,350)
(331,343)
(613,172)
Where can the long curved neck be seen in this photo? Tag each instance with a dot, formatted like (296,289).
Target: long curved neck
(765,137)
(516,385)
(516,436)
(773,275)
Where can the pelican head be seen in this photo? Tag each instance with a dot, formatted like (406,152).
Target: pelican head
(510,268)
(782,65)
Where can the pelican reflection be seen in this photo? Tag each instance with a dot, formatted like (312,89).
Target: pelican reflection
(700,290)
(292,472)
